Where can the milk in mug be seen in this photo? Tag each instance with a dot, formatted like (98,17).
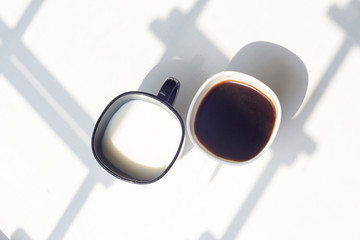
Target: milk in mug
(142,139)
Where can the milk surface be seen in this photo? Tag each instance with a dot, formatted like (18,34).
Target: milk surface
(142,139)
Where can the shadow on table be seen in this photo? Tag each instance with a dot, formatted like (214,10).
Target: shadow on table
(3,236)
(192,58)
(20,234)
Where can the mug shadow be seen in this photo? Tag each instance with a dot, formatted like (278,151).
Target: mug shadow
(278,68)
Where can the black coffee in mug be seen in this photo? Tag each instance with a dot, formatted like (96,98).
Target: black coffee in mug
(234,121)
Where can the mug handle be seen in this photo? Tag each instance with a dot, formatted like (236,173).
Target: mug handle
(169,90)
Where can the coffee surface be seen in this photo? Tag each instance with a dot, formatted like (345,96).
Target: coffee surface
(234,121)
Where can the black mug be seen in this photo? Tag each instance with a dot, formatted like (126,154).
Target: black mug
(139,136)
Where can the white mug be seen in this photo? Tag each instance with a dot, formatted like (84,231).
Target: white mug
(207,95)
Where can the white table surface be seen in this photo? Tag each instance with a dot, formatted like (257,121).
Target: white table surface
(61,62)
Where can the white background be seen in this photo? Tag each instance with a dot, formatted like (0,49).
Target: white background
(61,62)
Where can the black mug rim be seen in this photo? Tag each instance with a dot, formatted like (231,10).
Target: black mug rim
(134,180)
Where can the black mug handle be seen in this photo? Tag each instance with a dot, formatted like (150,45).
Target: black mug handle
(169,90)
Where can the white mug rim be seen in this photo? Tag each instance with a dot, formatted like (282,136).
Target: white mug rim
(242,78)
